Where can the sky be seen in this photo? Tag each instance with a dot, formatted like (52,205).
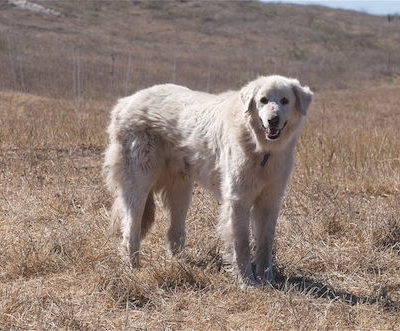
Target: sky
(370,7)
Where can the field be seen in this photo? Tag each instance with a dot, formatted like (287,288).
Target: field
(337,251)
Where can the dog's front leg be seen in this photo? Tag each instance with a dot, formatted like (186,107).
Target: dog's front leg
(264,217)
(236,232)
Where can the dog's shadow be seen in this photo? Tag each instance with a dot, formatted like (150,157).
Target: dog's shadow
(319,289)
(306,285)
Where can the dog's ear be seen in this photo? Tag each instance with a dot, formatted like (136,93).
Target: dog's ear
(247,94)
(304,97)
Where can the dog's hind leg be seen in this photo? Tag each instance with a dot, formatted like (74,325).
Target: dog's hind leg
(135,192)
(176,198)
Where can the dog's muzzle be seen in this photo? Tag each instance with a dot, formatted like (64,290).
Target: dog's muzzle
(273,132)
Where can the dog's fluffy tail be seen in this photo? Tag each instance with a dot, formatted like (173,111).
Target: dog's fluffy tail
(148,215)
(147,218)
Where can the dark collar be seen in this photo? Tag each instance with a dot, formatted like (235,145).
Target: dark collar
(265,159)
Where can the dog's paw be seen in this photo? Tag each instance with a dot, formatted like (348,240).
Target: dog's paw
(268,276)
(249,281)
(265,276)
(132,260)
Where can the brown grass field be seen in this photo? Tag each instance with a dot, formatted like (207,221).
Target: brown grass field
(337,251)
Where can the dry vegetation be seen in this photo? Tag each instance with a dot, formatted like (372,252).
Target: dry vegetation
(112,48)
(338,242)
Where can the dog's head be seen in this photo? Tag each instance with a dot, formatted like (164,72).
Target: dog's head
(276,106)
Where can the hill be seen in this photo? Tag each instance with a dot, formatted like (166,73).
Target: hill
(108,48)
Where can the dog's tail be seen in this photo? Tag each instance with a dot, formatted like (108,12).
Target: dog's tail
(148,215)
(147,218)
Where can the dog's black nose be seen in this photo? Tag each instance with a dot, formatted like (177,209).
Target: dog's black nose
(274,121)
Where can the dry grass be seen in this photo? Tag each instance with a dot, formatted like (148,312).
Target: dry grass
(338,243)
(115,47)
(337,249)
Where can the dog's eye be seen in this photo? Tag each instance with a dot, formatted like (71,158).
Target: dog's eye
(284,101)
(264,100)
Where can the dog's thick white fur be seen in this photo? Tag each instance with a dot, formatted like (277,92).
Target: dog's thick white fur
(239,145)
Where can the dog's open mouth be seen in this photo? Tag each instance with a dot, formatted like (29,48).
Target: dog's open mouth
(273,133)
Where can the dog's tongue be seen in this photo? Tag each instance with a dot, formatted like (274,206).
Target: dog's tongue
(272,131)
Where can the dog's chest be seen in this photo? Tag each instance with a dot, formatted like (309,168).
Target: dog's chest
(267,172)
(246,180)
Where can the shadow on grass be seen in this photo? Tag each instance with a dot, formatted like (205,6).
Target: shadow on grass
(302,284)
(319,289)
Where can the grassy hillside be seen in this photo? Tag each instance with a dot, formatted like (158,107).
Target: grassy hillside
(337,249)
(108,48)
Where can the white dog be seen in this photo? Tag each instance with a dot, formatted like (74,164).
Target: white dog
(239,145)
